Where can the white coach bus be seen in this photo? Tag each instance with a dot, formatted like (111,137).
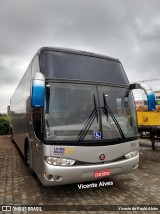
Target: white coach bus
(73,117)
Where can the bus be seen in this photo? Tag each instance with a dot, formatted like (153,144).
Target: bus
(73,117)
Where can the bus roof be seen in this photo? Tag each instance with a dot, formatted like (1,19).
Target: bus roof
(74,51)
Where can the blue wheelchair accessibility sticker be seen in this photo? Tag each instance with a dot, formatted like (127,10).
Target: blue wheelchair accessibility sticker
(97,135)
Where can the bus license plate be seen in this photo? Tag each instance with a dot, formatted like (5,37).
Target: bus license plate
(102,173)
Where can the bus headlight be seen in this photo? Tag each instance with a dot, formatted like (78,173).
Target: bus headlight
(59,161)
(131,154)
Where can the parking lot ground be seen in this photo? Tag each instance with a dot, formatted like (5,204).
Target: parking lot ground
(141,187)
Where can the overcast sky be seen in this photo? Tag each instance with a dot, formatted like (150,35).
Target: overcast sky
(125,29)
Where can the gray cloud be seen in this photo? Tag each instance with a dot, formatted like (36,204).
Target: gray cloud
(126,29)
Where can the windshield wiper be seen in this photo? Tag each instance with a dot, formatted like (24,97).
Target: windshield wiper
(89,122)
(107,110)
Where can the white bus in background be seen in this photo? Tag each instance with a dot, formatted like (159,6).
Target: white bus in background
(73,117)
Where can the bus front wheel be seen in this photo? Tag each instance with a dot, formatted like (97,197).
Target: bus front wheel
(28,158)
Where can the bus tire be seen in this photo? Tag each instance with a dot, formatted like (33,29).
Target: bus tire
(28,157)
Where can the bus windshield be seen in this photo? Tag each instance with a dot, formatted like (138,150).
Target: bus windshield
(76,112)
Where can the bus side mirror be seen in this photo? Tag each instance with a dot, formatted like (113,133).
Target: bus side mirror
(38,90)
(149,93)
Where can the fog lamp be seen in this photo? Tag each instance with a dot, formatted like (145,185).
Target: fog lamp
(49,177)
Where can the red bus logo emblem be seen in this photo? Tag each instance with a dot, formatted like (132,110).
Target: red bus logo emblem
(102,157)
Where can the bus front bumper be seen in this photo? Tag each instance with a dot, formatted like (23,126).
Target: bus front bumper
(61,175)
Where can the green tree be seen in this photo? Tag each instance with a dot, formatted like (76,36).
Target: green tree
(4,124)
